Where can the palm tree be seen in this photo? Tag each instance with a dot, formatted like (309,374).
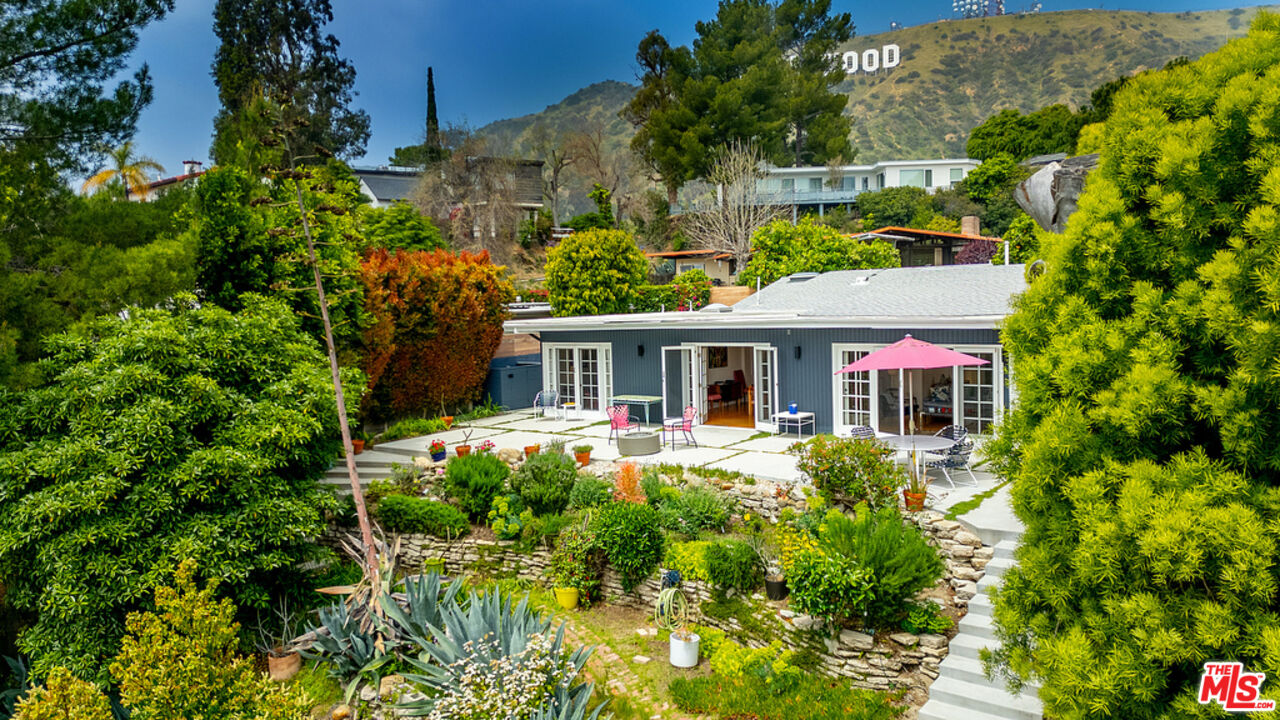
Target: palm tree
(131,171)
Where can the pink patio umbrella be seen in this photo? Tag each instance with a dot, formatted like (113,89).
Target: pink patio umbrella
(909,354)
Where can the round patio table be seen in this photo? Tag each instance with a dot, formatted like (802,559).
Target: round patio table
(920,443)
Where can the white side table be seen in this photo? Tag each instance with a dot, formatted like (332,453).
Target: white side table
(785,420)
(568,407)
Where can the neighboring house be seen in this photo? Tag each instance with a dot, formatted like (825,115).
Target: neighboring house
(718,265)
(386,186)
(191,169)
(807,188)
(784,344)
(928,247)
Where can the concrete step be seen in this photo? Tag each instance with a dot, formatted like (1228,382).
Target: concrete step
(998,566)
(977,626)
(969,646)
(995,536)
(971,670)
(981,605)
(990,580)
(986,698)
(938,710)
(1005,548)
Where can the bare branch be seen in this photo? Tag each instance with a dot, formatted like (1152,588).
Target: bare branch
(735,212)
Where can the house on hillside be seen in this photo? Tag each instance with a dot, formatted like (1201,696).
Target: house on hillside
(718,265)
(386,186)
(932,247)
(739,365)
(191,171)
(811,188)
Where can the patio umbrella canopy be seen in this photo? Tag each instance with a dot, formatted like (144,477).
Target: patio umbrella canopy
(910,354)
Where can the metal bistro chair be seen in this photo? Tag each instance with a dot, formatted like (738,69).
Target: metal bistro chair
(955,458)
(683,424)
(547,400)
(620,419)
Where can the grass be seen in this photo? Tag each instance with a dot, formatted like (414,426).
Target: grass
(966,506)
(322,689)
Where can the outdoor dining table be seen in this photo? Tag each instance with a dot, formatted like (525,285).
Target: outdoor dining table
(921,444)
(645,400)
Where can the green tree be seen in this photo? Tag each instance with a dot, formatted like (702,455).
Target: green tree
(892,206)
(1050,129)
(602,218)
(780,249)
(736,85)
(125,170)
(1142,448)
(992,184)
(160,436)
(278,49)
(596,272)
(399,227)
(432,148)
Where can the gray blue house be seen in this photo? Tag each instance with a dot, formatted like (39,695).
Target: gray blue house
(739,365)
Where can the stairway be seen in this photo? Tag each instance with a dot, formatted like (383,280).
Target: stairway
(962,691)
(371,465)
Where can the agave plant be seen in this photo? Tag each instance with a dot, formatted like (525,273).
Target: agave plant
(489,659)
(411,615)
(352,652)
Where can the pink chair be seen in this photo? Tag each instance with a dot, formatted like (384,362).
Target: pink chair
(682,424)
(620,419)
(740,380)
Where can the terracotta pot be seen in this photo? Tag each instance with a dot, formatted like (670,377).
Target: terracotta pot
(463,450)
(357,445)
(584,459)
(531,450)
(914,501)
(448,421)
(567,598)
(284,668)
(776,588)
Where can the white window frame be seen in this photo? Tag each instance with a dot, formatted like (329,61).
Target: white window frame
(838,425)
(997,382)
(604,357)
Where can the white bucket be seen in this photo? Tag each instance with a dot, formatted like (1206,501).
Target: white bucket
(684,653)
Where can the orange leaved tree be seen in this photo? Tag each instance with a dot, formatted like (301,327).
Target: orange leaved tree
(437,324)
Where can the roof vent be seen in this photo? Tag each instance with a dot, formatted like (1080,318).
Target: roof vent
(861,279)
(802,276)
(716,308)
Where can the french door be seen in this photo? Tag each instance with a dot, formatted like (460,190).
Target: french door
(580,374)
(854,393)
(980,396)
(766,385)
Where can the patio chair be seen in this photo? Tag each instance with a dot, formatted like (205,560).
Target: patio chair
(547,400)
(683,424)
(740,383)
(953,432)
(862,432)
(956,458)
(620,419)
(713,397)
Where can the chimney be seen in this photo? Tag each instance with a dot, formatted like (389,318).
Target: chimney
(969,225)
(190,167)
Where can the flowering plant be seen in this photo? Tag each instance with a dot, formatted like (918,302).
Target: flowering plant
(437,446)
(486,446)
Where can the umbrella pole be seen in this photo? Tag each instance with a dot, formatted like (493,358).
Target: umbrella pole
(912,380)
(902,425)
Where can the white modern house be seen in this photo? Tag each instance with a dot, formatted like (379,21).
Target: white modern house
(813,186)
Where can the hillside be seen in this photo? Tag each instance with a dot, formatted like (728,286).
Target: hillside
(954,74)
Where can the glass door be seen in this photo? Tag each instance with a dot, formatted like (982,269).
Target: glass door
(566,374)
(979,400)
(854,392)
(677,385)
(589,379)
(580,375)
(766,382)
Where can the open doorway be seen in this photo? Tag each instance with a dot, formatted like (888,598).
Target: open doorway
(729,386)
(930,404)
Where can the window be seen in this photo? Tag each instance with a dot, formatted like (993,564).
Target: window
(928,178)
(880,181)
(854,391)
(978,394)
(866,182)
(581,374)
(957,174)
(815,184)
(911,178)
(788,185)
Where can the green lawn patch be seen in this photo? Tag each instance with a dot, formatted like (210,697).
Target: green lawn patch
(972,503)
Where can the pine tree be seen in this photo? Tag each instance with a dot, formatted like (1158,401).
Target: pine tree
(1143,450)
(433,123)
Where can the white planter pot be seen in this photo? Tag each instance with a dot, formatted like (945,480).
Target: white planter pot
(684,653)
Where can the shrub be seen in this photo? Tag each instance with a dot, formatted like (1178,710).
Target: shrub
(589,492)
(811,697)
(899,560)
(697,508)
(545,481)
(631,539)
(413,427)
(734,565)
(180,662)
(926,619)
(770,663)
(437,321)
(189,428)
(536,530)
(64,697)
(508,516)
(829,586)
(689,559)
(595,273)
(474,480)
(577,560)
(852,470)
(627,484)
(403,514)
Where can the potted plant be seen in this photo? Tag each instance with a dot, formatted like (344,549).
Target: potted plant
(485,447)
(671,612)
(433,565)
(357,442)
(582,453)
(282,663)
(447,420)
(437,450)
(531,450)
(464,448)
(913,495)
(570,568)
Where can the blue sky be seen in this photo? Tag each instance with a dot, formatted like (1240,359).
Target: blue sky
(493,59)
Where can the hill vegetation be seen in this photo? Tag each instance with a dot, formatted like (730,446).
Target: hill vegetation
(953,75)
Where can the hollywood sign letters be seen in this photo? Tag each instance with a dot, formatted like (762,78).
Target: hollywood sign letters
(889,56)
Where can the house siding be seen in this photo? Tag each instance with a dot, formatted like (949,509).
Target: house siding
(805,381)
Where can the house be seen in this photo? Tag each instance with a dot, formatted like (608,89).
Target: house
(932,247)
(718,265)
(191,170)
(812,187)
(386,186)
(784,344)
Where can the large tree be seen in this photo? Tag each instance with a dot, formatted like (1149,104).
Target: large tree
(125,170)
(596,272)
(160,436)
(278,49)
(758,73)
(1143,447)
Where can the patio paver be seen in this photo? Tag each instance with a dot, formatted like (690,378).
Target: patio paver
(770,466)
(418,445)
(773,444)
